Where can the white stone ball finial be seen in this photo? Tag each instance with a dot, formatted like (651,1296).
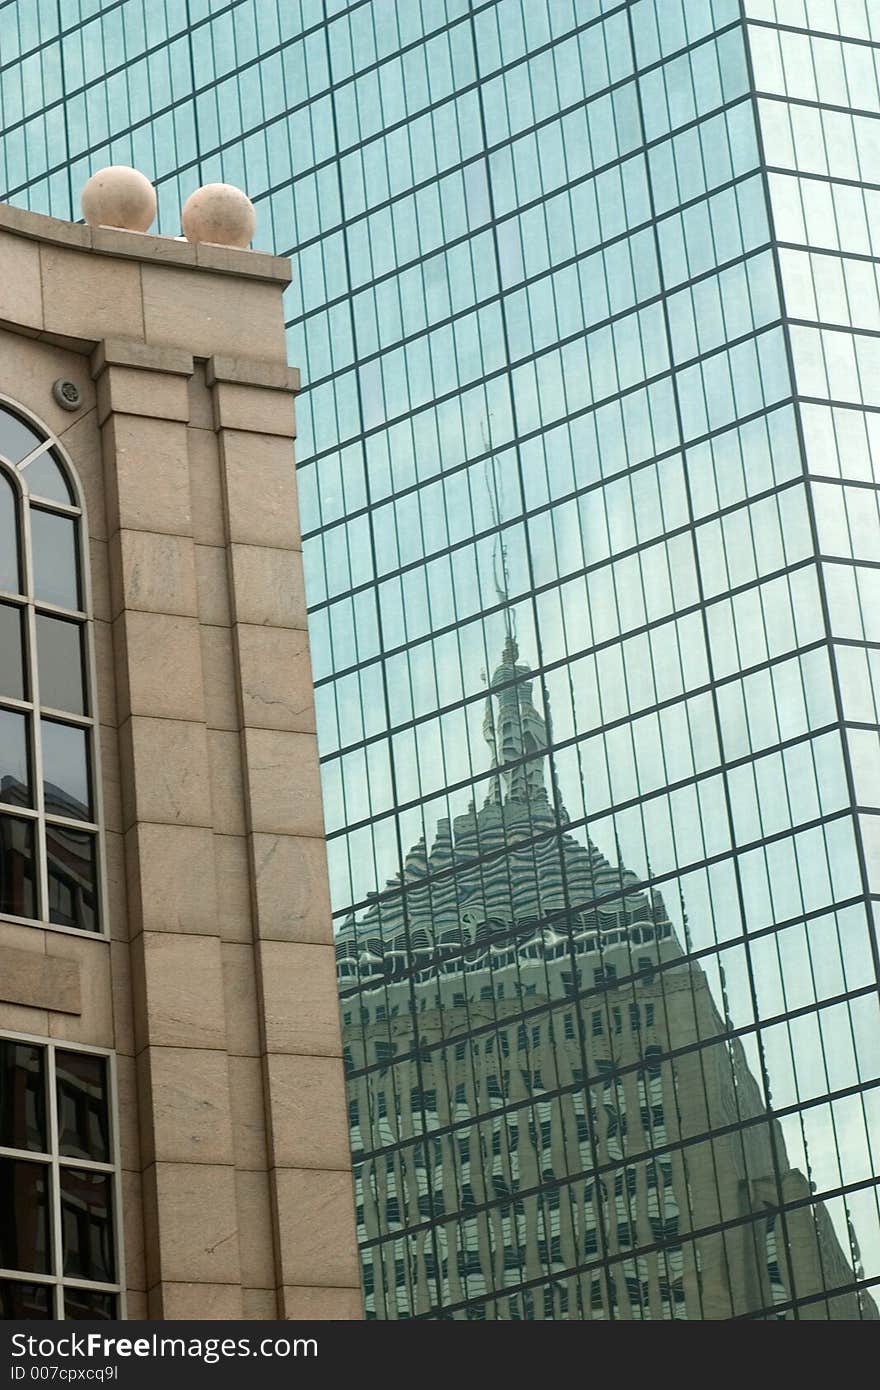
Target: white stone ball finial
(119,197)
(220,214)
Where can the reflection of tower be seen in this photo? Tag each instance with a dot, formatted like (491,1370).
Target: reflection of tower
(576,1134)
(515,733)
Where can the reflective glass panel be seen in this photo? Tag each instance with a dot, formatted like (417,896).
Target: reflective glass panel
(60,656)
(15,779)
(83,1116)
(86,1225)
(24,1215)
(22,1096)
(89,1305)
(12,677)
(56,574)
(65,770)
(17,871)
(73,877)
(25,1301)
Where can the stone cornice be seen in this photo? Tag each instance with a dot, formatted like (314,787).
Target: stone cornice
(143,246)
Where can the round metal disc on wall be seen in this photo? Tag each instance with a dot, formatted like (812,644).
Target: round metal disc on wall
(67,394)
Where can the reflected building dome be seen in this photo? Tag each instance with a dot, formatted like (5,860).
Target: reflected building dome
(535,1065)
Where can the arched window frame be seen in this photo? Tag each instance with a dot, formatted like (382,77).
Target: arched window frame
(35,710)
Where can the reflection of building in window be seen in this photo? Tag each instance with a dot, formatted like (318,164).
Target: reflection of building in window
(73,900)
(72,887)
(550,1114)
(58,1184)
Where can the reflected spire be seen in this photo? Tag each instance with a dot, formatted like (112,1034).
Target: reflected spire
(515,732)
(501,574)
(494,794)
(518,729)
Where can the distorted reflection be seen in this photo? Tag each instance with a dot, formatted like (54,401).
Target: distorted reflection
(72,877)
(552,1113)
(22,1096)
(88,1305)
(24,1216)
(26,1301)
(83,1112)
(17,869)
(87,1226)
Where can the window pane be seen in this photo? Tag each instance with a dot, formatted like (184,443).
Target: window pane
(65,770)
(25,1301)
(15,780)
(56,578)
(87,1225)
(24,1215)
(17,888)
(73,877)
(9,573)
(17,439)
(11,667)
(22,1096)
(83,1119)
(59,654)
(45,479)
(82,1304)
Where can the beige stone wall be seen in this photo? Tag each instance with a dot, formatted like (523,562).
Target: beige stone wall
(216,984)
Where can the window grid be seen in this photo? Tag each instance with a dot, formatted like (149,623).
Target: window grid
(43,817)
(54,1161)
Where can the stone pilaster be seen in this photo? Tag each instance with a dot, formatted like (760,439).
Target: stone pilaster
(168,816)
(307,1181)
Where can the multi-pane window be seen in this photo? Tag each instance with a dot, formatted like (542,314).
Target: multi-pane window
(59,1197)
(49,852)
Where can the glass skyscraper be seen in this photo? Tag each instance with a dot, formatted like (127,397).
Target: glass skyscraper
(587,305)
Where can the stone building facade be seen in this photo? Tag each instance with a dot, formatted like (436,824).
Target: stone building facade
(171,1092)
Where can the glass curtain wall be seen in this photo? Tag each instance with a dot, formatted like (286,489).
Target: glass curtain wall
(585,297)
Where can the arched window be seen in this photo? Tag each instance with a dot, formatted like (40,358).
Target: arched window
(49,851)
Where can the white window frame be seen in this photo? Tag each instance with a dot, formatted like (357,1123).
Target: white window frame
(28,604)
(55,1161)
